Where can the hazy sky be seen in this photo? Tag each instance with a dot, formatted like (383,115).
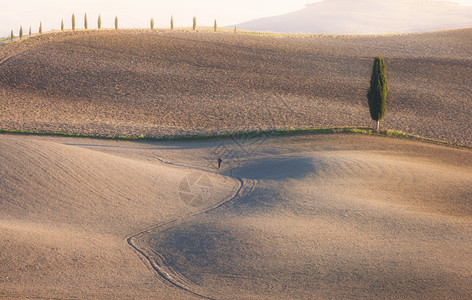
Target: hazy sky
(136,13)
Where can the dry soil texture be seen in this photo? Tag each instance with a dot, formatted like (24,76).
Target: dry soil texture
(305,217)
(138,82)
(302,217)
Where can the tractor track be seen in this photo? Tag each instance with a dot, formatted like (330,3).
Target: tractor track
(157,260)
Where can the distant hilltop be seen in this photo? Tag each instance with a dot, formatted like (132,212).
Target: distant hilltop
(367,17)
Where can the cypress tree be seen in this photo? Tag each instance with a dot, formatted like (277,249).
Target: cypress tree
(194,23)
(21,32)
(152,23)
(215,26)
(234,29)
(85,22)
(116,22)
(172,22)
(30,30)
(99,22)
(40,28)
(12,35)
(73,22)
(377,93)
(62,25)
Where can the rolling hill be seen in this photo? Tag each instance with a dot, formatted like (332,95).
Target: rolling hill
(316,216)
(138,82)
(367,17)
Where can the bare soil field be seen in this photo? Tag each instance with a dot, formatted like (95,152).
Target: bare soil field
(325,216)
(321,216)
(155,83)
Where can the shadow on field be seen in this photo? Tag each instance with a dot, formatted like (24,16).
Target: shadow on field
(277,168)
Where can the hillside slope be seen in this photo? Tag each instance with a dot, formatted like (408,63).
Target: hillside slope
(132,82)
(367,17)
(323,216)
(65,213)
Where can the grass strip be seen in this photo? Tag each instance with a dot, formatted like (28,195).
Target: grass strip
(247,134)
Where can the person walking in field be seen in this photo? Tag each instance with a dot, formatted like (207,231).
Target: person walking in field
(219,162)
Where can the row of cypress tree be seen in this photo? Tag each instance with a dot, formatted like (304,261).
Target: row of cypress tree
(99,25)
(40,30)
(20,34)
(99,22)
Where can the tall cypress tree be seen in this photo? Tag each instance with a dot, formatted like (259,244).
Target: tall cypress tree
(215,26)
(171,22)
(40,28)
(21,32)
(152,23)
(73,22)
(377,93)
(85,22)
(12,35)
(194,23)
(62,25)
(30,30)
(116,22)
(99,22)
